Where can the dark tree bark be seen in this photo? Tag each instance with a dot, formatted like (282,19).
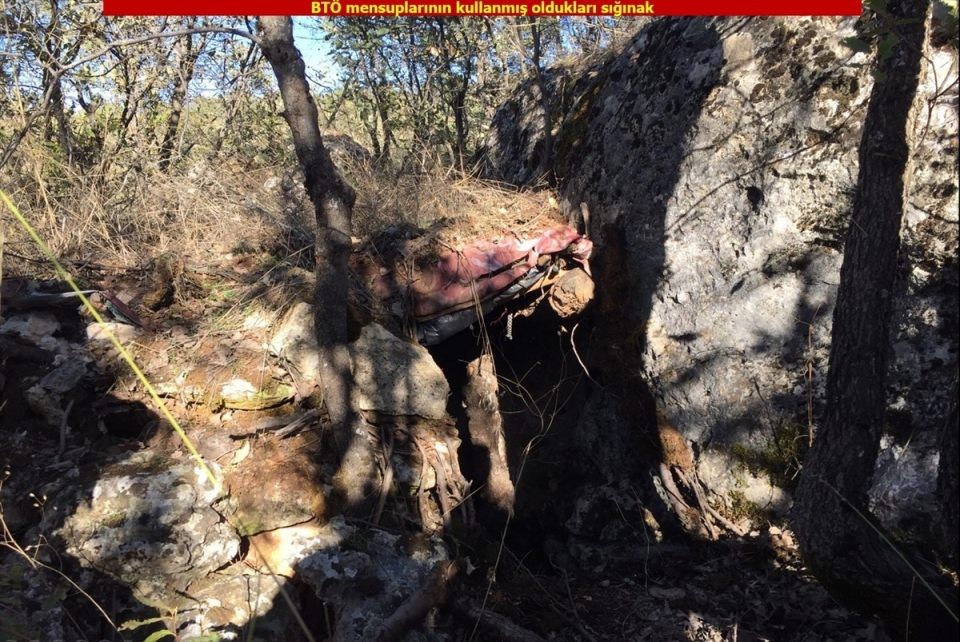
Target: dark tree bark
(188,56)
(546,158)
(370,120)
(51,55)
(458,101)
(460,114)
(838,539)
(948,486)
(333,201)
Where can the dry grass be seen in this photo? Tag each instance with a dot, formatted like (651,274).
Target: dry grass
(446,212)
(460,207)
(209,209)
(130,219)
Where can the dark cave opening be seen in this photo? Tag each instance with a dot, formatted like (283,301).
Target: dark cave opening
(542,392)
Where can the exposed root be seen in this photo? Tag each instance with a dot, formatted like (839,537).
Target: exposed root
(416,607)
(486,429)
(440,453)
(498,626)
(386,442)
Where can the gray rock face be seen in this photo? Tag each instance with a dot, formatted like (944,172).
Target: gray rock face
(394,377)
(295,339)
(150,523)
(153,524)
(100,332)
(597,542)
(722,474)
(34,327)
(903,478)
(723,154)
(230,599)
(46,398)
(368,576)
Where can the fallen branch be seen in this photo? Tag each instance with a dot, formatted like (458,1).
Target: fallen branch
(416,607)
(498,625)
(284,426)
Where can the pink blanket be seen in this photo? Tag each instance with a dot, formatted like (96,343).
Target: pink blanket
(460,279)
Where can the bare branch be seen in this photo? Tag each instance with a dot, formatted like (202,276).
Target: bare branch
(61,70)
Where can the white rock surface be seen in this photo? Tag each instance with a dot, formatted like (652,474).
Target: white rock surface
(391,376)
(725,155)
(395,377)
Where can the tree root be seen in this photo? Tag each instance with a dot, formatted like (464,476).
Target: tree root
(416,607)
(498,626)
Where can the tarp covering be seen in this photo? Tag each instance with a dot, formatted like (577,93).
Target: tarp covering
(461,279)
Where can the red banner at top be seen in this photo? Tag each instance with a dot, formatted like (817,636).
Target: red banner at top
(610,8)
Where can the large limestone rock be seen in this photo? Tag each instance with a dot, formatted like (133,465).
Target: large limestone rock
(363,575)
(721,157)
(295,340)
(150,523)
(368,576)
(392,376)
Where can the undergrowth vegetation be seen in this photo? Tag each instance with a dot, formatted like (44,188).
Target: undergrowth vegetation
(125,138)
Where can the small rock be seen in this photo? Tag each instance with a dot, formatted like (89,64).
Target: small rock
(100,332)
(296,341)
(65,378)
(32,327)
(46,397)
(367,576)
(243,395)
(669,594)
(572,293)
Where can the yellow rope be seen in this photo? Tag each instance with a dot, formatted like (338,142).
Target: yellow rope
(124,353)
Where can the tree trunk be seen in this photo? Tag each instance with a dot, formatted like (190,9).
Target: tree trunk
(948,486)
(388,138)
(546,157)
(50,56)
(333,201)
(188,60)
(460,114)
(838,539)
(58,110)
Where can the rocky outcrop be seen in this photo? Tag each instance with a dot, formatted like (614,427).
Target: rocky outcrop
(722,156)
(392,376)
(369,575)
(212,559)
(213,562)
(151,523)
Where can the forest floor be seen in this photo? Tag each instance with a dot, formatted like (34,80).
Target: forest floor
(205,314)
